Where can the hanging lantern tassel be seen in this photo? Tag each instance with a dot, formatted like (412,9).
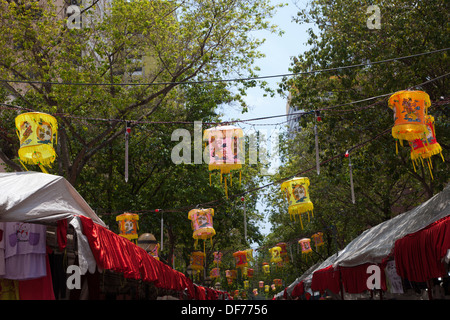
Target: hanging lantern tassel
(347,155)
(127,138)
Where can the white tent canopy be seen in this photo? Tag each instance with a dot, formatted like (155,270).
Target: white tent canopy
(39,197)
(376,243)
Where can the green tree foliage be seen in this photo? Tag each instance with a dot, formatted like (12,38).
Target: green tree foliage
(155,48)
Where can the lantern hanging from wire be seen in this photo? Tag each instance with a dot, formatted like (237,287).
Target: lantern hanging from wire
(266,268)
(217,258)
(283,254)
(277,282)
(255,292)
(246,284)
(318,239)
(214,273)
(275,253)
(261,284)
(225,151)
(425,148)
(230,275)
(297,195)
(266,288)
(305,244)
(202,224)
(37,134)
(410,109)
(197,261)
(240,258)
(128,225)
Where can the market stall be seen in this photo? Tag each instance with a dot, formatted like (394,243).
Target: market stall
(46,226)
(413,247)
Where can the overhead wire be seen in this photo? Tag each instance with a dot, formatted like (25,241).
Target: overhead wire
(226,80)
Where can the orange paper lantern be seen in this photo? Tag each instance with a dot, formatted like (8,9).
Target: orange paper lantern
(410,109)
(240,258)
(128,225)
(318,239)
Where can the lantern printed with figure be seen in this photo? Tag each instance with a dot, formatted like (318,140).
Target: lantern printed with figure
(283,253)
(275,253)
(225,151)
(266,268)
(128,225)
(305,244)
(425,148)
(230,275)
(217,258)
(318,239)
(197,260)
(214,273)
(240,258)
(37,135)
(277,282)
(297,195)
(202,223)
(410,109)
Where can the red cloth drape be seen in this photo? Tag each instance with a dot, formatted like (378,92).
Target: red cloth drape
(354,279)
(326,278)
(113,252)
(298,290)
(418,256)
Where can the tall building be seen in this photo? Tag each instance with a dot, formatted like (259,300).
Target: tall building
(293,118)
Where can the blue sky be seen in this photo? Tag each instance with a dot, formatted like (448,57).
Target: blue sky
(278,51)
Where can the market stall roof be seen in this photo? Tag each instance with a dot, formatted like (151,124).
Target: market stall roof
(376,243)
(39,197)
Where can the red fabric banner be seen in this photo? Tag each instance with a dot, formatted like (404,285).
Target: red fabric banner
(418,256)
(326,278)
(115,253)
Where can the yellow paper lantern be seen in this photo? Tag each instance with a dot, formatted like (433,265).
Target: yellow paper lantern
(202,224)
(410,109)
(425,148)
(266,268)
(275,253)
(246,284)
(266,288)
(128,225)
(37,134)
(225,151)
(197,260)
(297,195)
